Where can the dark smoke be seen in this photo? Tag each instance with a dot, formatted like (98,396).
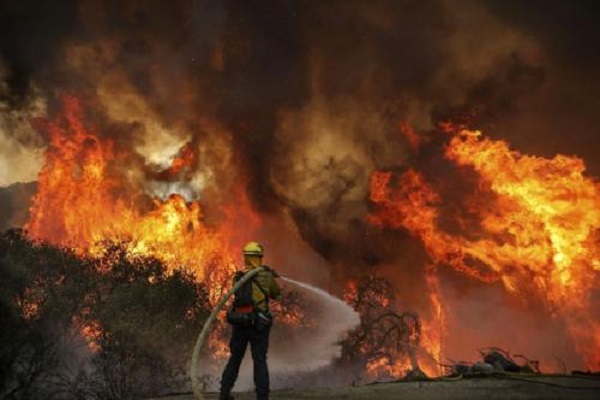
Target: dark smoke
(570,33)
(32,31)
(559,117)
(13,204)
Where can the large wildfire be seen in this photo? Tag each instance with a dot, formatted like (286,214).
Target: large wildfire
(533,226)
(84,199)
(183,139)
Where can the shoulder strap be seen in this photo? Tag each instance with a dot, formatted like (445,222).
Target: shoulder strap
(264,292)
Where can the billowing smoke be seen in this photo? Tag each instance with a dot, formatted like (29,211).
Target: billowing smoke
(21,145)
(298,103)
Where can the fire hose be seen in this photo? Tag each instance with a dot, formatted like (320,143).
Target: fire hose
(205,329)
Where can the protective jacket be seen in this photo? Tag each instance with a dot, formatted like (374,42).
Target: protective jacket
(266,280)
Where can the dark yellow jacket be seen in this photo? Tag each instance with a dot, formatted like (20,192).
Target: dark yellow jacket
(266,280)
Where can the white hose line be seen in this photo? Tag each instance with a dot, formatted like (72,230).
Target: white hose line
(205,329)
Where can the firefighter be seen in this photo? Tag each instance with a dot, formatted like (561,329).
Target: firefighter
(254,329)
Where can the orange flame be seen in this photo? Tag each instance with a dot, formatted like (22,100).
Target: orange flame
(86,196)
(384,367)
(538,235)
(434,328)
(387,341)
(184,159)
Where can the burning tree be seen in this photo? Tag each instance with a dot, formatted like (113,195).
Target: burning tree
(386,340)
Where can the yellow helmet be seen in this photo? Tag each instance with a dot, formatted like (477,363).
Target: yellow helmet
(253,249)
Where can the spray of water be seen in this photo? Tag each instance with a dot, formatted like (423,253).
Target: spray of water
(310,349)
(321,343)
(343,310)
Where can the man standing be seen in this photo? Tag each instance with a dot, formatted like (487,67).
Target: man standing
(252,327)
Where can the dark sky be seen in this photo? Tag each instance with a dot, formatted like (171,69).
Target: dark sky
(568,30)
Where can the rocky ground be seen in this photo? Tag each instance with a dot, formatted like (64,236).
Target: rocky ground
(486,388)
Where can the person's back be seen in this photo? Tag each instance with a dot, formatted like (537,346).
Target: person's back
(264,287)
(254,329)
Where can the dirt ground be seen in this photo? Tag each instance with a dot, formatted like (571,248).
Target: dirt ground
(489,388)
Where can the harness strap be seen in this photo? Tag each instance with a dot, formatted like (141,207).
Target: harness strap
(252,280)
(266,300)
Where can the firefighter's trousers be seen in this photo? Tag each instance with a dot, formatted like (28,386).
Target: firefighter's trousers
(258,337)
